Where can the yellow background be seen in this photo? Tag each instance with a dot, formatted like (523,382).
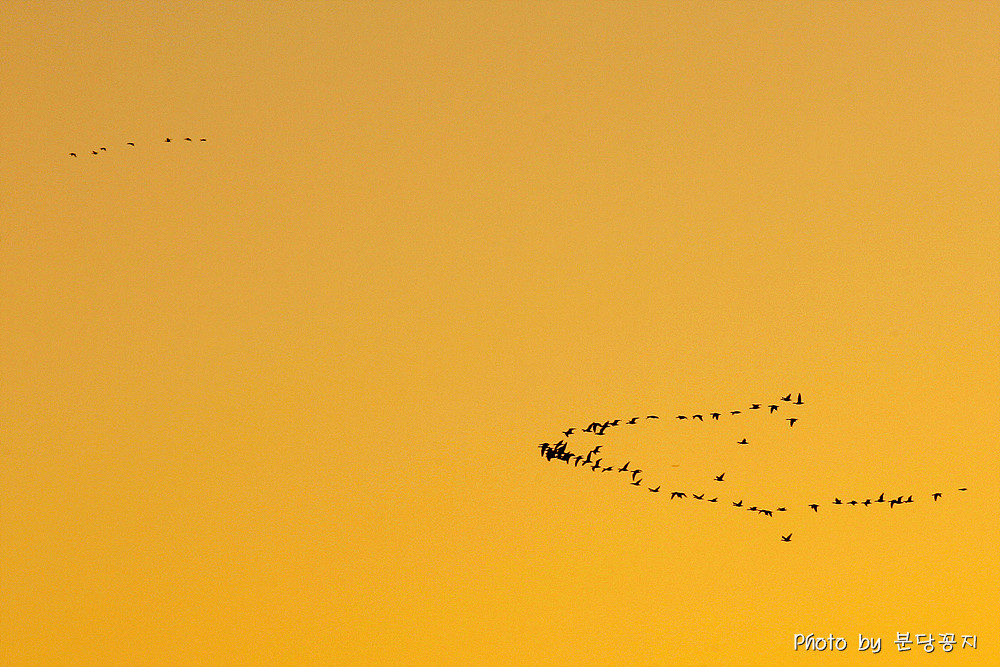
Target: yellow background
(275,398)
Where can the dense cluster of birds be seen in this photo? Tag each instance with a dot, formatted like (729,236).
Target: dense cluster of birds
(597,462)
(130,144)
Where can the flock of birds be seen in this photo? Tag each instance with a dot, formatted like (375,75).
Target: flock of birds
(131,144)
(593,459)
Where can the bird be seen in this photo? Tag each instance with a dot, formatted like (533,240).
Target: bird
(698,417)
(609,469)
(867,502)
(786,538)
(596,449)
(755,406)
(799,400)
(738,504)
(167,140)
(632,421)
(716,415)
(892,502)
(187,138)
(203,139)
(936,496)
(743,442)
(791,421)
(773,407)
(568,432)
(677,494)
(881,498)
(963,489)
(615,422)
(94,152)
(681,417)
(635,472)
(656,490)
(814,507)
(638,482)
(713,500)
(853,502)
(781,509)
(734,412)
(130,143)
(652,417)
(624,468)
(786,398)
(73,154)
(836,501)
(695,495)
(103,148)
(719,477)
(765,512)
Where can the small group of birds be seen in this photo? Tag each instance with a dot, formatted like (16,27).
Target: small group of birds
(561,451)
(132,145)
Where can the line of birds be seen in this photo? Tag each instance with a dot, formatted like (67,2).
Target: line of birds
(132,144)
(560,451)
(599,428)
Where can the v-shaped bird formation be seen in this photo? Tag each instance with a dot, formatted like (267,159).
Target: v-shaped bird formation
(592,458)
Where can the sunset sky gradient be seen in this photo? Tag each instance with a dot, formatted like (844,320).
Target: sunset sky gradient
(275,398)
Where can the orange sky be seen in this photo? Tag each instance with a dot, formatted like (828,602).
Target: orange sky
(275,398)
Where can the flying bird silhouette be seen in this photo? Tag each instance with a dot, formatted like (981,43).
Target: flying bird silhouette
(656,490)
(716,415)
(786,538)
(130,143)
(791,421)
(743,442)
(698,417)
(696,496)
(677,494)
(786,398)
(73,154)
(755,406)
(799,400)
(936,496)
(568,432)
(719,477)
(734,412)
(814,507)
(739,504)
